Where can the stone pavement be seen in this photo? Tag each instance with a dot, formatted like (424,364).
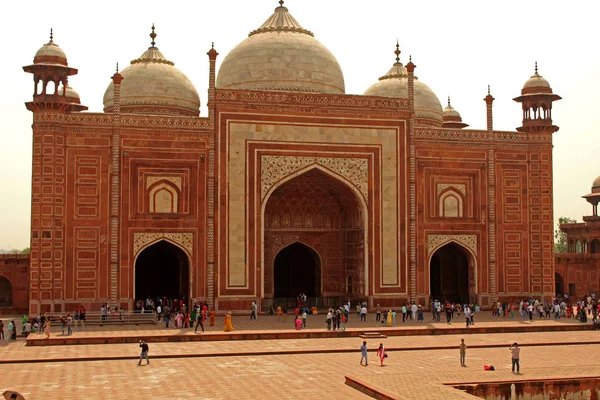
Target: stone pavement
(410,375)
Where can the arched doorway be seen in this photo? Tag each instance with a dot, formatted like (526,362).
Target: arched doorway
(323,211)
(449,274)
(559,284)
(595,246)
(5,292)
(162,269)
(297,270)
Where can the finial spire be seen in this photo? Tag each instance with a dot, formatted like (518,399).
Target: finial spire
(488,89)
(212,46)
(153,36)
(448,101)
(117,68)
(536,70)
(410,58)
(397,52)
(51,36)
(280,3)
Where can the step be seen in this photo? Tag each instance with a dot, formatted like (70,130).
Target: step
(372,335)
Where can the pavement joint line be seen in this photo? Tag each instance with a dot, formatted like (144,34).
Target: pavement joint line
(285,352)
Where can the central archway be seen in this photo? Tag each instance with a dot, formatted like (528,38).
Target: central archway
(162,269)
(297,270)
(449,274)
(320,209)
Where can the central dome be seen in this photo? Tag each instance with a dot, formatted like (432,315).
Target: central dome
(281,55)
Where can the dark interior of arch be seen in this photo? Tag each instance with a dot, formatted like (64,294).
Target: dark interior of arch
(297,270)
(449,275)
(162,270)
(5,292)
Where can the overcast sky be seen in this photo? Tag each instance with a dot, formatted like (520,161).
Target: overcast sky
(459,48)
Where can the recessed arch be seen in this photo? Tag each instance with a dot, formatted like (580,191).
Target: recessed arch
(5,292)
(559,284)
(297,269)
(466,290)
(594,246)
(184,271)
(359,217)
(163,198)
(450,204)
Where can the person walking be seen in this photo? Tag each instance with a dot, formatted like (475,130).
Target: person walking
(279,313)
(69,323)
(144,353)
(47,328)
(363,354)
(378,313)
(1,330)
(253,308)
(10,329)
(463,353)
(381,353)
(515,350)
(363,314)
(304,315)
(200,322)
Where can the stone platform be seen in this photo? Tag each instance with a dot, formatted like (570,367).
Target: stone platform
(268,328)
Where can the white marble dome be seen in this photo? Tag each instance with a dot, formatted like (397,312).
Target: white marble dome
(395,84)
(281,55)
(152,85)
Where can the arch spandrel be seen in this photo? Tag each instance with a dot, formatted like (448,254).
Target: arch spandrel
(434,242)
(142,240)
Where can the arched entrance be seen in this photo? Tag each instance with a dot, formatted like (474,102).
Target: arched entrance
(5,292)
(449,274)
(595,246)
(324,212)
(297,270)
(559,284)
(162,269)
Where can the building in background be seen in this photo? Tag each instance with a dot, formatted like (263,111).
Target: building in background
(288,185)
(578,270)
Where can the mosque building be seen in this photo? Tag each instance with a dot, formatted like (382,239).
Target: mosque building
(288,185)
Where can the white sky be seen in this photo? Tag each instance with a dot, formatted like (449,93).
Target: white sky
(458,46)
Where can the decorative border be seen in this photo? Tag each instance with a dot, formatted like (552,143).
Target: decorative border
(458,186)
(274,168)
(141,239)
(175,180)
(435,241)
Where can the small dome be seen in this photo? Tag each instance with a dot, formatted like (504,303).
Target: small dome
(281,55)
(536,83)
(71,94)
(50,53)
(152,85)
(395,84)
(450,112)
(596,185)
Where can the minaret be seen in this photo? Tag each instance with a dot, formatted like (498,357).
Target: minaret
(115,168)
(410,68)
(212,57)
(491,183)
(489,100)
(537,98)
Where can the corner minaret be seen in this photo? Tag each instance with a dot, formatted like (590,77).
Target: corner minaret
(536,99)
(50,66)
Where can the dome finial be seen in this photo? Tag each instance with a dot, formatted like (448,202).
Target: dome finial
(280,3)
(448,101)
(536,70)
(488,89)
(397,52)
(117,68)
(51,36)
(153,36)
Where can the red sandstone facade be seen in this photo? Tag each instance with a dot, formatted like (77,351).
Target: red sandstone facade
(14,284)
(372,192)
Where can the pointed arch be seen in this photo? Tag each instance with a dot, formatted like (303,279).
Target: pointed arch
(345,183)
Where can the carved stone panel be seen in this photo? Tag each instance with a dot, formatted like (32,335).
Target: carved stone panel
(141,239)
(469,241)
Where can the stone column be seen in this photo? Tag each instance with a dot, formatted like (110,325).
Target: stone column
(410,67)
(212,57)
(115,170)
(489,100)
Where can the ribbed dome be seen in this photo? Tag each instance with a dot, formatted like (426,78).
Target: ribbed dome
(152,85)
(71,94)
(281,55)
(395,84)
(50,53)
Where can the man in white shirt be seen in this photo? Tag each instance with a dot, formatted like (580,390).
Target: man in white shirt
(515,351)
(363,314)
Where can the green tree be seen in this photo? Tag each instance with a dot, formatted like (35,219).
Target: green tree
(560,238)
(25,250)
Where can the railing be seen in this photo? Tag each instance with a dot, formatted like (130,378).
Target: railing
(95,318)
(320,302)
